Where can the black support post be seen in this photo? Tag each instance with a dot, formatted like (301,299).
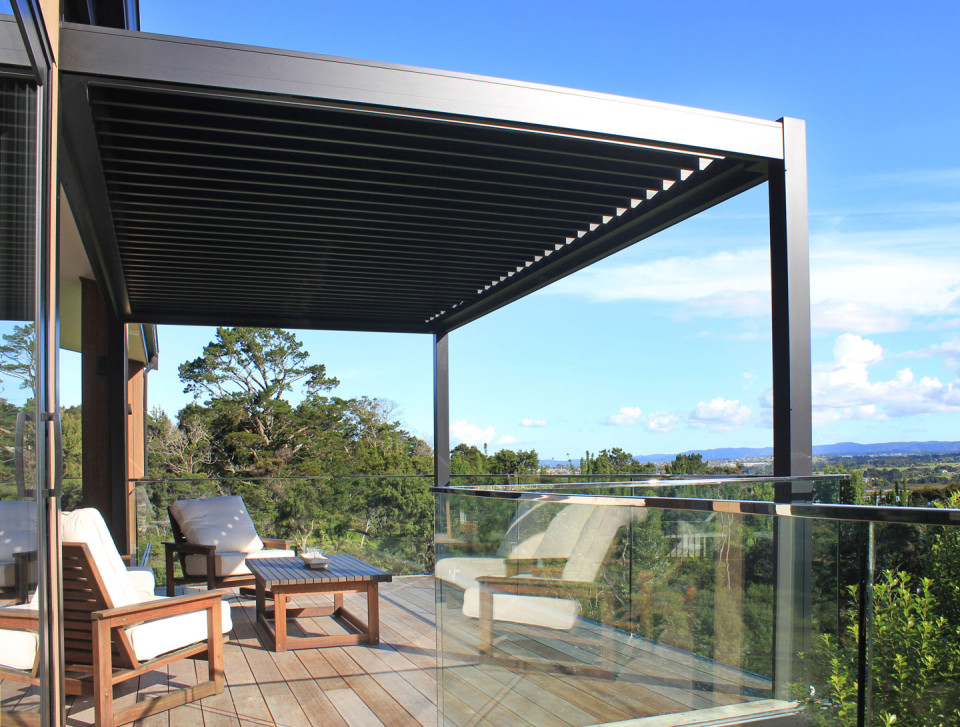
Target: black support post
(790,283)
(441,410)
(792,406)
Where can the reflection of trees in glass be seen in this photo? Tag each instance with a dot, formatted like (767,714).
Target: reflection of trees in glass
(17,373)
(699,582)
(18,361)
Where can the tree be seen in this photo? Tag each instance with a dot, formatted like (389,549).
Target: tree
(614,461)
(508,462)
(466,459)
(687,464)
(18,358)
(245,374)
(180,451)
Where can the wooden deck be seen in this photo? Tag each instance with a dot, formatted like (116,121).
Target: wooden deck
(395,683)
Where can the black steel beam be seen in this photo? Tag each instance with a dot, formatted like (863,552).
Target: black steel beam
(441,410)
(278,319)
(792,407)
(790,286)
(409,91)
(35,40)
(82,179)
(11,45)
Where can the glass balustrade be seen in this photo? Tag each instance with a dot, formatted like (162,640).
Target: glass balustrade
(567,607)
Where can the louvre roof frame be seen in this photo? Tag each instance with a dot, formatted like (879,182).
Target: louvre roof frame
(181,150)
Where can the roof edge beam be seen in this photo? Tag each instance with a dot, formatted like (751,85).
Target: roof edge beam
(12,52)
(82,179)
(120,54)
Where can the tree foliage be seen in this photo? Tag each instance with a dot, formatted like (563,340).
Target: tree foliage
(687,464)
(265,426)
(18,358)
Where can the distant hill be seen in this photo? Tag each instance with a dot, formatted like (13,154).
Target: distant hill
(840,449)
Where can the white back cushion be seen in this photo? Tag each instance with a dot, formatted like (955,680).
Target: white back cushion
(595,541)
(87,526)
(220,521)
(18,527)
(563,531)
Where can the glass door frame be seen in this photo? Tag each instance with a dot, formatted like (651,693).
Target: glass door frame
(37,46)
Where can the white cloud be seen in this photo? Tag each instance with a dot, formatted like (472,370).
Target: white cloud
(629,416)
(506,439)
(950,350)
(728,275)
(866,282)
(843,390)
(720,415)
(533,422)
(881,291)
(846,316)
(662,421)
(470,434)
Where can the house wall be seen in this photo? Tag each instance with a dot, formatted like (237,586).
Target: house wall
(105,415)
(136,441)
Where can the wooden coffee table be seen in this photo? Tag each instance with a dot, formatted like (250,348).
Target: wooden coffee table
(284,578)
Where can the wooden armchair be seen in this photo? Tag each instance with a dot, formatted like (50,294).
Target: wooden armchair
(552,600)
(520,551)
(213,538)
(18,548)
(106,644)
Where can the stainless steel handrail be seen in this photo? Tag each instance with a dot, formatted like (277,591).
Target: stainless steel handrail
(855,513)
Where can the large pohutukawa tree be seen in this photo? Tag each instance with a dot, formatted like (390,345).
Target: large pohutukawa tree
(245,378)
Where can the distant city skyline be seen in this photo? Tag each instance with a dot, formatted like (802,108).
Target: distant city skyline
(666,346)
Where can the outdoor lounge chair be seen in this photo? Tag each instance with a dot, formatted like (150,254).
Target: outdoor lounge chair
(111,635)
(521,601)
(213,537)
(18,548)
(552,545)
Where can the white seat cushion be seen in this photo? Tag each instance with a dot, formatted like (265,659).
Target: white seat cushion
(18,527)
(231,564)
(464,571)
(18,649)
(220,521)
(153,638)
(551,613)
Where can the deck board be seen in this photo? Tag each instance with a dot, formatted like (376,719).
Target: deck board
(394,684)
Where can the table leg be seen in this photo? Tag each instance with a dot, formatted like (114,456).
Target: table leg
(373,613)
(280,620)
(261,598)
(337,603)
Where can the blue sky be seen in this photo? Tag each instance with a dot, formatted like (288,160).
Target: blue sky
(666,346)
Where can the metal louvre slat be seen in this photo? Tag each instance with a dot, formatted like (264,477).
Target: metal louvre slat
(287,163)
(189,220)
(257,209)
(299,211)
(520,164)
(419,197)
(380,129)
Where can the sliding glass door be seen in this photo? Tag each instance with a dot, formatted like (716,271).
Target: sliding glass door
(21,479)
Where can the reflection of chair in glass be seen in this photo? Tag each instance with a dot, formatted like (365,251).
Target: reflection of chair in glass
(213,538)
(522,600)
(550,546)
(111,633)
(18,547)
